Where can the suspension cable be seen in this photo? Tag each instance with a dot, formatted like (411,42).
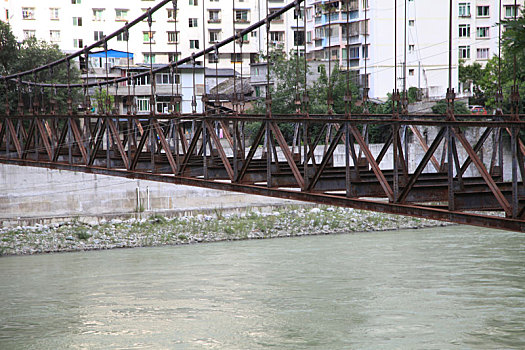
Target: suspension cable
(179,62)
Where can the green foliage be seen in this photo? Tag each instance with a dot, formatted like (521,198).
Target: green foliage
(102,101)
(30,54)
(8,48)
(441,107)
(82,234)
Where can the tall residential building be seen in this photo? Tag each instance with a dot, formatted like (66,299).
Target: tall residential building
(478,30)
(72,24)
(369,23)
(371,37)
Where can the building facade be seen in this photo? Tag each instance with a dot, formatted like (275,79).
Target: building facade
(367,24)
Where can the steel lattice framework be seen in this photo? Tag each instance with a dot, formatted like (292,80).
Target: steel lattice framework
(452,181)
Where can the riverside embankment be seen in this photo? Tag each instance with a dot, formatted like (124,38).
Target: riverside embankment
(158,230)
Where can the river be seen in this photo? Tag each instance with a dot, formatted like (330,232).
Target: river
(442,288)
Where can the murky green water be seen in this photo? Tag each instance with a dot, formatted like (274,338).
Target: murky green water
(443,288)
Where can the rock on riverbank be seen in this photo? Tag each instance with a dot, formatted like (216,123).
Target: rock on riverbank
(158,230)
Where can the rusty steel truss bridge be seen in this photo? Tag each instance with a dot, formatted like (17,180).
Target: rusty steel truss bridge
(470,169)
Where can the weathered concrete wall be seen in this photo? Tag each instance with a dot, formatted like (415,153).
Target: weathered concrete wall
(28,192)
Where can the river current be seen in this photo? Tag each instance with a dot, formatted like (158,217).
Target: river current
(441,288)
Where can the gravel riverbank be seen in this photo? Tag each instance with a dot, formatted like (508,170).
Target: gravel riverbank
(158,230)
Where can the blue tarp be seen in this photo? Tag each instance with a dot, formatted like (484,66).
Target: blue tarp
(112,54)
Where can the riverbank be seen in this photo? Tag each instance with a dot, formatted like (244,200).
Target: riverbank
(158,230)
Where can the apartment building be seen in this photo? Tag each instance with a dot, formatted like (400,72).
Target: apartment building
(478,30)
(201,23)
(370,26)
(72,24)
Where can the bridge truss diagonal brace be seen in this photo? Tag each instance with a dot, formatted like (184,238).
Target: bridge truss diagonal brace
(375,167)
(326,158)
(483,171)
(44,137)
(116,138)
(220,149)
(14,138)
(424,145)
(422,164)
(165,145)
(251,153)
(78,139)
(287,154)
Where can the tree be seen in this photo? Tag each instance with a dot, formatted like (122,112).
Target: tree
(29,54)
(441,107)
(8,48)
(473,75)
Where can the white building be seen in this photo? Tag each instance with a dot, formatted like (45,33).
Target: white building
(474,35)
(72,24)
(478,30)
(201,23)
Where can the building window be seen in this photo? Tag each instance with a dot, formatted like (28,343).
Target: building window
(28,13)
(171,15)
(241,16)
(54,35)
(121,14)
(214,16)
(78,43)
(53,14)
(309,36)
(298,14)
(215,36)
(276,36)
(464,52)
(98,35)
(194,2)
(483,11)
(464,9)
(235,58)
(98,15)
(213,58)
(411,72)
(147,36)
(166,79)
(143,104)
(122,37)
(173,56)
(411,48)
(464,30)
(29,34)
(482,32)
(411,22)
(365,51)
(143,80)
(149,59)
(75,2)
(510,11)
(354,52)
(278,19)
(192,22)
(173,37)
(243,38)
(482,54)
(77,21)
(298,37)
(194,44)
